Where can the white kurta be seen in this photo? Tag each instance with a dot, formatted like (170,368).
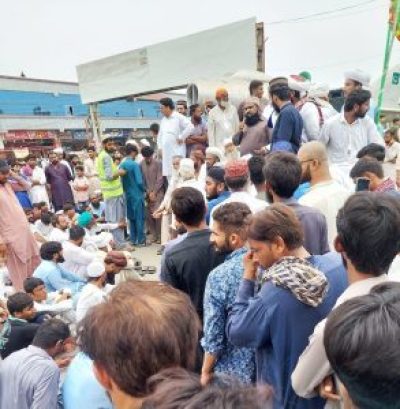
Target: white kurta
(90,296)
(58,235)
(171,129)
(76,259)
(38,193)
(222,124)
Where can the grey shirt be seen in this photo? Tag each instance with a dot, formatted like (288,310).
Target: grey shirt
(29,379)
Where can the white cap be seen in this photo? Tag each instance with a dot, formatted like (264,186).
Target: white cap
(95,269)
(186,168)
(319,90)
(145,142)
(216,152)
(358,75)
(297,83)
(131,142)
(58,150)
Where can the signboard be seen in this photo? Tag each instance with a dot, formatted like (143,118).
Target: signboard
(21,135)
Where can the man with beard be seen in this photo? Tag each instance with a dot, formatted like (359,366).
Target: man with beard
(228,235)
(17,243)
(216,190)
(347,132)
(60,228)
(111,188)
(90,170)
(254,134)
(325,194)
(55,278)
(97,206)
(196,135)
(58,177)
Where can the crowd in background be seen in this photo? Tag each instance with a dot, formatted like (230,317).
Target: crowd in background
(278,222)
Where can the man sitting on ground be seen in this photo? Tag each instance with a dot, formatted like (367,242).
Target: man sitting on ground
(60,228)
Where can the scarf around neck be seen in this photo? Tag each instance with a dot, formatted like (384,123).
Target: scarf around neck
(305,282)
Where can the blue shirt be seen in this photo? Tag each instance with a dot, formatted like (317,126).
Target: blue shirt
(287,130)
(221,288)
(55,278)
(278,325)
(302,190)
(81,389)
(213,202)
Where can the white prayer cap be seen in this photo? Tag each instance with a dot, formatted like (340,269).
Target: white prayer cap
(58,150)
(358,75)
(227,141)
(95,269)
(186,168)
(297,83)
(131,142)
(216,152)
(145,142)
(319,90)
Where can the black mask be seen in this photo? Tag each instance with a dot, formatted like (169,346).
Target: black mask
(96,205)
(252,120)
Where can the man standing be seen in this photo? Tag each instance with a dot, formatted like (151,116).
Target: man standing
(90,170)
(254,134)
(111,188)
(223,120)
(228,235)
(216,190)
(181,107)
(17,243)
(153,183)
(35,175)
(256,90)
(347,132)
(132,182)
(170,139)
(196,135)
(30,377)
(58,177)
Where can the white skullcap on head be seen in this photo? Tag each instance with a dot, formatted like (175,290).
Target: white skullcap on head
(216,152)
(131,142)
(145,142)
(58,150)
(227,141)
(297,83)
(186,168)
(358,75)
(319,90)
(95,269)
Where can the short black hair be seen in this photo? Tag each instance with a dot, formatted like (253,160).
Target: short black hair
(237,182)
(188,205)
(36,206)
(51,332)
(49,249)
(373,150)
(281,91)
(43,204)
(131,148)
(18,302)
(366,165)
(79,167)
(254,85)
(356,97)
(283,172)
(31,283)
(55,217)
(167,102)
(68,206)
(76,232)
(256,164)
(46,218)
(361,342)
(155,127)
(193,108)
(368,229)
(147,151)
(182,102)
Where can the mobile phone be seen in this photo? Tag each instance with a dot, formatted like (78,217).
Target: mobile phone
(362,184)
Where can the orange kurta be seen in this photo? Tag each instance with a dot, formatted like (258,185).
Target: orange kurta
(22,250)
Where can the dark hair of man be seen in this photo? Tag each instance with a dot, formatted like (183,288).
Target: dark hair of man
(31,283)
(147,151)
(49,249)
(146,322)
(188,205)
(368,228)
(193,108)
(281,91)
(373,150)
(182,102)
(167,102)
(55,218)
(236,183)
(361,341)
(31,156)
(18,302)
(51,332)
(176,388)
(233,217)
(366,165)
(79,167)
(256,164)
(46,218)
(68,206)
(76,233)
(131,148)
(277,220)
(254,85)
(393,132)
(356,97)
(154,127)
(282,171)
(36,206)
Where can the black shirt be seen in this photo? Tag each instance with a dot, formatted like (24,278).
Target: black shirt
(15,335)
(188,264)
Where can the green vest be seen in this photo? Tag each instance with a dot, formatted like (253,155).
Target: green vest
(109,188)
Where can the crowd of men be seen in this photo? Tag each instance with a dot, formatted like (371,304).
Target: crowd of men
(278,221)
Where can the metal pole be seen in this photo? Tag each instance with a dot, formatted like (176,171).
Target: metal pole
(95,123)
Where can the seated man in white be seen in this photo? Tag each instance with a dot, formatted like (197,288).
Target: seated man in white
(60,230)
